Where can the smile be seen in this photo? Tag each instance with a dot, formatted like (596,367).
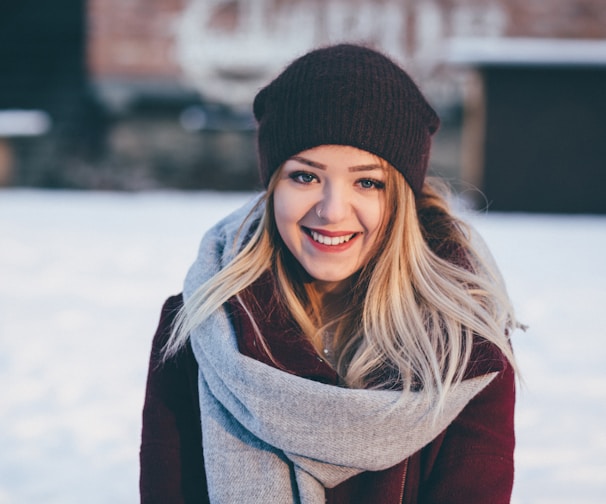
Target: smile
(329,240)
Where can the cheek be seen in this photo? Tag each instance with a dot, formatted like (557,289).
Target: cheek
(373,218)
(286,213)
(280,218)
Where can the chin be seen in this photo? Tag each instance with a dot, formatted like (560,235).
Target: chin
(329,277)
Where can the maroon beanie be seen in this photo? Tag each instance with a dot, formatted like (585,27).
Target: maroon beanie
(345,95)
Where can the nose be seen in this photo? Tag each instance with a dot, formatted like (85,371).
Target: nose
(335,204)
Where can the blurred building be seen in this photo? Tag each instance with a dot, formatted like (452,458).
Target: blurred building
(46,110)
(159,91)
(535,125)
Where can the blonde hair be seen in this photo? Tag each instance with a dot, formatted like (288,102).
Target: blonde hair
(414,309)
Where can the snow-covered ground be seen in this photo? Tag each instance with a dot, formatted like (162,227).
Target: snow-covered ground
(82,279)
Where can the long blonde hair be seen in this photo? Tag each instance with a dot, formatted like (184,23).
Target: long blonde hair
(414,309)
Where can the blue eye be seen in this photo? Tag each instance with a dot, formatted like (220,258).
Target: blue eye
(371,184)
(302,177)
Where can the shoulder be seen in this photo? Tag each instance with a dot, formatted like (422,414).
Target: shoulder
(172,305)
(169,311)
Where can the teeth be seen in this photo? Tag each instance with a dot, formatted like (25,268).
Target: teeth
(330,240)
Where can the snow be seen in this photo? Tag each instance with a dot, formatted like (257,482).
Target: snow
(82,279)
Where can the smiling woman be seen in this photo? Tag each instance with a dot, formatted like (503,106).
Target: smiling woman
(344,338)
(329,204)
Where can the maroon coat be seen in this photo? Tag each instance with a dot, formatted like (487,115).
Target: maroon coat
(470,462)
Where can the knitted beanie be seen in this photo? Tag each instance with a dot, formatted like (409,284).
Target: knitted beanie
(345,95)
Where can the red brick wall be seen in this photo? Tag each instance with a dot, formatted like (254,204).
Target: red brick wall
(544,18)
(556,18)
(131,38)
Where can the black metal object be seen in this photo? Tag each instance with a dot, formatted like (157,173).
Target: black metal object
(545,138)
(43,68)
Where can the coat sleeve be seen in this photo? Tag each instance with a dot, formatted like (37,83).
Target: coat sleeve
(171,459)
(472,461)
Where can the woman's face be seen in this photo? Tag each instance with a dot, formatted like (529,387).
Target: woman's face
(329,203)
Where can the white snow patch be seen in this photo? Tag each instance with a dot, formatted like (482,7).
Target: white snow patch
(82,280)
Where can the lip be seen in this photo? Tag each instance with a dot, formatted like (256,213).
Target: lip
(331,234)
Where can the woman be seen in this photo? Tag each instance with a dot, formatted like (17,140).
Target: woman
(343,338)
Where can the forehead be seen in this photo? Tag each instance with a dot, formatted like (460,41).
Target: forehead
(339,156)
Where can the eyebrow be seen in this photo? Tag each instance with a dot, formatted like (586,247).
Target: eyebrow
(320,166)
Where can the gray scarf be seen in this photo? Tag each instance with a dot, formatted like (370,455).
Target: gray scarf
(270,436)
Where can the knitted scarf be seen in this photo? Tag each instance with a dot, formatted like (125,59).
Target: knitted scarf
(270,436)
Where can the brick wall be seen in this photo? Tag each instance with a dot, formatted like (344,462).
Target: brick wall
(132,38)
(556,18)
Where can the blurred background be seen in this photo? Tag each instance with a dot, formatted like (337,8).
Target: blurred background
(126,132)
(138,94)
